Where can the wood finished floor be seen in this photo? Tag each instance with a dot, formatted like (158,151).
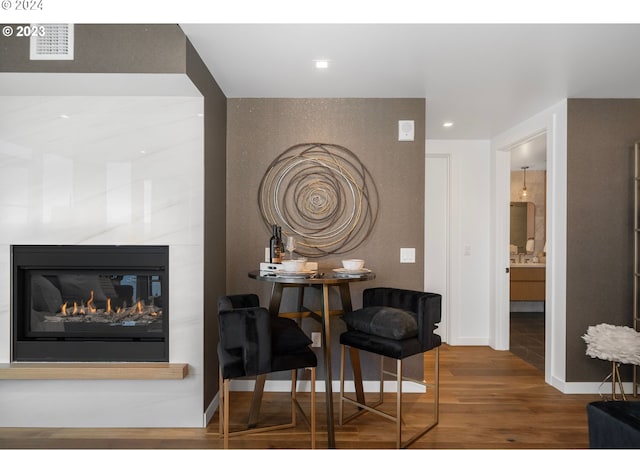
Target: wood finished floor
(488,399)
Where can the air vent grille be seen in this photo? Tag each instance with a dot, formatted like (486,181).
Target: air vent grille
(55,42)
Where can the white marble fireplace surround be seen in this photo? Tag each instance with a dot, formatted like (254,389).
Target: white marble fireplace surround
(107,170)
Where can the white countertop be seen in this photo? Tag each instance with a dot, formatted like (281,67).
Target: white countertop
(538,264)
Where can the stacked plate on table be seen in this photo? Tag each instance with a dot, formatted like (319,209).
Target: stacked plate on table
(294,268)
(294,274)
(342,272)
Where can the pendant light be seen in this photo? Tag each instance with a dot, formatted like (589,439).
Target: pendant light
(523,193)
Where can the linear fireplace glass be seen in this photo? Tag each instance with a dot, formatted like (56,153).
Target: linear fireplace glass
(94,303)
(90,303)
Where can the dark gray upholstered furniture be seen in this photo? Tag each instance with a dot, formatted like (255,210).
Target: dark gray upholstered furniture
(394,323)
(614,424)
(252,342)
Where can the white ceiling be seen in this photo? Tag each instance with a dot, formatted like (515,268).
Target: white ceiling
(483,77)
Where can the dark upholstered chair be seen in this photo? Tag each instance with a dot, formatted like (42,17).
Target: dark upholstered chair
(614,424)
(393,323)
(252,342)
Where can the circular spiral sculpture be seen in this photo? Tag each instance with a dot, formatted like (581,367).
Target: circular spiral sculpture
(323,195)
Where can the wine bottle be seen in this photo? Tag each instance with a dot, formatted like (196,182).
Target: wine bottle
(280,245)
(273,245)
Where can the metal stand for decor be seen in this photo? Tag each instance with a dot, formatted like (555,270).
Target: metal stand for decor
(618,344)
(636,254)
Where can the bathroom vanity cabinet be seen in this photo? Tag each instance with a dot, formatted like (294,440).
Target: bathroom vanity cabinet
(527,282)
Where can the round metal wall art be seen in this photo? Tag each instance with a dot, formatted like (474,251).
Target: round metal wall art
(322,195)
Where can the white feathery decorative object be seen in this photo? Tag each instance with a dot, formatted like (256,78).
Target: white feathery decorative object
(613,343)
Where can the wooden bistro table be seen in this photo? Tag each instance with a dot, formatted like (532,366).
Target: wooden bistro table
(324,281)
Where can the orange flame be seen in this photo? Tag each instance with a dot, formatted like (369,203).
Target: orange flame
(90,303)
(63,309)
(109,310)
(119,310)
(82,311)
(139,306)
(75,308)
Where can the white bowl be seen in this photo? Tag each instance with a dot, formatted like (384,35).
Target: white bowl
(293,265)
(353,264)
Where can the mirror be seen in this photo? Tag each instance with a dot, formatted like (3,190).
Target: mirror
(522,224)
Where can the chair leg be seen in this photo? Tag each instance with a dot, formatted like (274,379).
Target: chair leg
(363,407)
(398,416)
(399,403)
(226,413)
(340,405)
(220,401)
(313,407)
(223,424)
(294,382)
(436,399)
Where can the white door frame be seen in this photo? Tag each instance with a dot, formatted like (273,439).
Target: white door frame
(437,243)
(552,121)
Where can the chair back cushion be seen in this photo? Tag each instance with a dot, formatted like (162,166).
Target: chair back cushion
(244,347)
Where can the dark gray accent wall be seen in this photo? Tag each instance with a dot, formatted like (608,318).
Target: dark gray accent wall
(260,129)
(106,49)
(215,135)
(600,140)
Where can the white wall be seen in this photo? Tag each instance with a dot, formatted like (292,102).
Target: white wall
(467,194)
(116,170)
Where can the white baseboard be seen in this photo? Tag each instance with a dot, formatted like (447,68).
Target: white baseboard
(305,386)
(589,387)
(211,410)
(470,341)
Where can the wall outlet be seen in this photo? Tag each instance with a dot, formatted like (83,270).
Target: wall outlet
(316,339)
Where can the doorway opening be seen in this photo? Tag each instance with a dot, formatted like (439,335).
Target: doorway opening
(527,250)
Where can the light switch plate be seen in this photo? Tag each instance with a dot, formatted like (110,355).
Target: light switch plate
(406,130)
(407,255)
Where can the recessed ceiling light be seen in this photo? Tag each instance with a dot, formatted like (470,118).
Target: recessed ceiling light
(447,124)
(322,64)
(64,116)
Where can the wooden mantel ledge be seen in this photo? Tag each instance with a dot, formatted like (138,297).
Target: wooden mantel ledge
(93,371)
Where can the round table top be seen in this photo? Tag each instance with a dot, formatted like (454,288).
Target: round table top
(329,277)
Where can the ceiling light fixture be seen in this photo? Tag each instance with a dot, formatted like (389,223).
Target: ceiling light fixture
(64,116)
(447,124)
(322,64)
(523,193)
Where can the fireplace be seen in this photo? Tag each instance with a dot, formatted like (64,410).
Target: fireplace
(90,303)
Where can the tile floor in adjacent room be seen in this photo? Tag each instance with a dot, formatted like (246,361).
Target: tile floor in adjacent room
(527,337)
